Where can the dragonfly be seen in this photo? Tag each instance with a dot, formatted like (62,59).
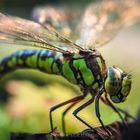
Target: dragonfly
(79,61)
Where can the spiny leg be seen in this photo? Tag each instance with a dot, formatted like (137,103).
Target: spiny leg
(62,104)
(75,112)
(116,109)
(108,103)
(127,115)
(119,109)
(64,114)
(112,106)
(98,112)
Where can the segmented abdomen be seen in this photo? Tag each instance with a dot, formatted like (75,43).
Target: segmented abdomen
(44,60)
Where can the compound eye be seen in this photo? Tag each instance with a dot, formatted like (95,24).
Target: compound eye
(126,86)
(113,81)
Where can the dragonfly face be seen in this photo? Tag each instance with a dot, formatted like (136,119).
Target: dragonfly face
(117,84)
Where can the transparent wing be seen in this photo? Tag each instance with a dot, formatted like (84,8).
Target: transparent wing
(61,18)
(25,32)
(101,21)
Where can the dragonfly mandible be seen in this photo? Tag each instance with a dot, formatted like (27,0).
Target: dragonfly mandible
(80,63)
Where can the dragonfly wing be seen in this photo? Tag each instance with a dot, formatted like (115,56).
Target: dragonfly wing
(25,32)
(61,18)
(101,21)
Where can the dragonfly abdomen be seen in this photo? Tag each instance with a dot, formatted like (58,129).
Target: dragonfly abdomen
(43,60)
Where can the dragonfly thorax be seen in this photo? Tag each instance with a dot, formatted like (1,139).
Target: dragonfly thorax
(86,69)
(117,84)
(93,71)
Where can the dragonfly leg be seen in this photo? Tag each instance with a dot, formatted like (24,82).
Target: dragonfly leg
(75,112)
(62,104)
(98,112)
(127,115)
(66,111)
(80,119)
(117,109)
(64,114)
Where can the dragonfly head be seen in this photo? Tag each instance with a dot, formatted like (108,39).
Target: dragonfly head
(117,84)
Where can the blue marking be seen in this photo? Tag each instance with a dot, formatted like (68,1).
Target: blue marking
(30,52)
(18,53)
(112,74)
(49,53)
(25,52)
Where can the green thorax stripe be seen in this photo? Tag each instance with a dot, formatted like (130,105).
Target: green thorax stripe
(84,73)
(76,71)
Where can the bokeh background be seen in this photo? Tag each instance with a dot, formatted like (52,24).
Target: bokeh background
(27,95)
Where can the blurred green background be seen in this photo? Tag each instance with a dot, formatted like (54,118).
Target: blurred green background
(27,95)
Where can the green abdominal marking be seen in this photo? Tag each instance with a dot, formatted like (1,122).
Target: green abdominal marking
(68,73)
(31,61)
(42,60)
